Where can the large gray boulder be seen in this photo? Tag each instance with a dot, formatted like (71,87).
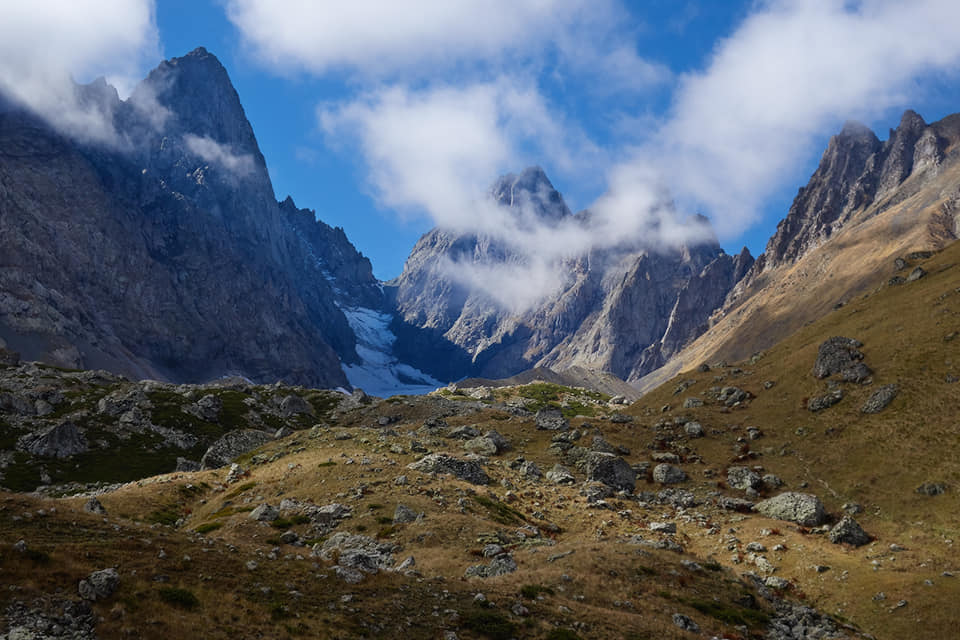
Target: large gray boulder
(468,470)
(233,444)
(356,555)
(99,584)
(59,441)
(611,470)
(835,355)
(744,479)
(668,474)
(848,531)
(803,508)
(551,420)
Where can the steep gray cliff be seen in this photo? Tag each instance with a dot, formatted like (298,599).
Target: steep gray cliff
(622,309)
(166,255)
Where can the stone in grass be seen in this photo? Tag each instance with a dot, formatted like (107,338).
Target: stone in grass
(819,403)
(468,470)
(264,513)
(404,514)
(99,585)
(668,474)
(805,509)
(848,531)
(744,479)
(611,470)
(880,398)
(551,420)
(94,506)
(685,623)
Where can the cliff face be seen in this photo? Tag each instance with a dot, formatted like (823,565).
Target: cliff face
(621,310)
(167,255)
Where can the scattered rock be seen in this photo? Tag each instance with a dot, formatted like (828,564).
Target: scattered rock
(916,274)
(743,478)
(404,514)
(551,420)
(233,444)
(732,396)
(264,513)
(692,403)
(819,403)
(694,429)
(356,555)
(530,470)
(803,508)
(9,358)
(848,531)
(93,506)
(59,441)
(835,355)
(611,470)
(880,398)
(560,475)
(932,489)
(501,564)
(621,418)
(99,585)
(465,432)
(468,470)
(668,474)
(685,623)
(186,465)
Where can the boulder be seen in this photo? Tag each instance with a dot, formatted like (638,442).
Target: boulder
(560,475)
(59,441)
(356,555)
(848,531)
(501,564)
(744,479)
(264,513)
(835,355)
(404,514)
(694,429)
(530,470)
(93,506)
(468,470)
(99,584)
(294,405)
(803,508)
(611,470)
(819,403)
(668,474)
(685,623)
(916,274)
(880,398)
(208,408)
(233,444)
(932,489)
(551,420)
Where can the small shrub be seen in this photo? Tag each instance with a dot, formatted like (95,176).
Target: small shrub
(207,527)
(531,591)
(38,557)
(384,520)
(386,532)
(562,634)
(177,597)
(328,463)
(167,516)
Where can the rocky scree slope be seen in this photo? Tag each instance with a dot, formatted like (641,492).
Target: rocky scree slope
(165,255)
(531,511)
(625,310)
(867,204)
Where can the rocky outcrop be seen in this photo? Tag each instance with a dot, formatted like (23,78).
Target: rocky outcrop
(592,320)
(231,445)
(803,508)
(167,255)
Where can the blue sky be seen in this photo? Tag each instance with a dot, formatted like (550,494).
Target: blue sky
(388,118)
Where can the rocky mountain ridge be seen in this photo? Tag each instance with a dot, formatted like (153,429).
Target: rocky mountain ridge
(870,209)
(624,310)
(167,255)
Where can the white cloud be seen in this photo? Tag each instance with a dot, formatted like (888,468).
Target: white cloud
(384,36)
(220,155)
(43,43)
(740,128)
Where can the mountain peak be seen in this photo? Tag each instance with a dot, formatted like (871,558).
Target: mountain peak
(531,191)
(856,131)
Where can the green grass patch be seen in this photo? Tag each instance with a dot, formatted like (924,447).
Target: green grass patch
(533,591)
(562,634)
(728,613)
(328,463)
(500,511)
(384,520)
(178,597)
(166,516)
(207,527)
(286,523)
(386,532)
(490,624)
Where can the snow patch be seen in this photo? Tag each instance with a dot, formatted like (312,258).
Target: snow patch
(380,373)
